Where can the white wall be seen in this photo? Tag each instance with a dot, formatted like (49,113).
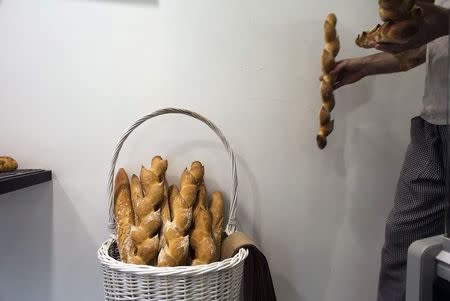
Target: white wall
(76,73)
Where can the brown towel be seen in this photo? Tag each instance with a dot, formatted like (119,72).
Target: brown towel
(258,284)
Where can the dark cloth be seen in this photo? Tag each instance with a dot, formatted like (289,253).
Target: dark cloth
(419,206)
(258,285)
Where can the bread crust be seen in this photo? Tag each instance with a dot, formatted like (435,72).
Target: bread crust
(330,51)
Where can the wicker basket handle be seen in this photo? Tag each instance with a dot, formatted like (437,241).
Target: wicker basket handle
(231,225)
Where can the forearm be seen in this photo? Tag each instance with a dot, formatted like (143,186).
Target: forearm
(380,63)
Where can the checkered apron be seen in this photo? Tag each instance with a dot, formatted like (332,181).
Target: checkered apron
(419,207)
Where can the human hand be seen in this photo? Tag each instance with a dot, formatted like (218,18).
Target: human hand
(348,72)
(435,25)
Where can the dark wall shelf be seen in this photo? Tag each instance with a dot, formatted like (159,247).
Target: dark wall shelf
(22,178)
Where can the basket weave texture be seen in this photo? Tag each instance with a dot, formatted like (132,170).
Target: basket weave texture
(216,281)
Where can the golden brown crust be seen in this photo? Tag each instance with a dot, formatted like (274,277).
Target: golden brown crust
(180,204)
(165,217)
(8,164)
(331,50)
(203,247)
(145,234)
(136,193)
(153,181)
(394,33)
(329,28)
(402,22)
(216,208)
(327,62)
(123,215)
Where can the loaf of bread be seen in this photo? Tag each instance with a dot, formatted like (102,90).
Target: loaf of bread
(201,240)
(123,215)
(216,209)
(176,242)
(165,217)
(136,195)
(148,193)
(399,32)
(402,22)
(7,164)
(176,231)
(331,50)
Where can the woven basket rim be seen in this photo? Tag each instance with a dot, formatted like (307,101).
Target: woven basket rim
(117,265)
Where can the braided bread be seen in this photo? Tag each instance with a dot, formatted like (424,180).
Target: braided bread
(402,22)
(201,241)
(165,217)
(331,50)
(123,213)
(176,236)
(7,164)
(147,197)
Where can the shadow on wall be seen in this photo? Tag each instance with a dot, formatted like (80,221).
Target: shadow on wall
(288,289)
(46,251)
(76,269)
(26,249)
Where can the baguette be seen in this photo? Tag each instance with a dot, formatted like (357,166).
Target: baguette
(165,217)
(216,208)
(123,215)
(201,241)
(176,236)
(145,233)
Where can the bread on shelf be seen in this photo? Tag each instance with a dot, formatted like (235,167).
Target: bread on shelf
(7,164)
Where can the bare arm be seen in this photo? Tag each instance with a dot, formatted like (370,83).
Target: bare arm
(352,70)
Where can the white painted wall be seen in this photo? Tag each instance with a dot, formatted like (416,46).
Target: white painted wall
(76,73)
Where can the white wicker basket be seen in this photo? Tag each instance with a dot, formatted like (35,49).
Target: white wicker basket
(215,281)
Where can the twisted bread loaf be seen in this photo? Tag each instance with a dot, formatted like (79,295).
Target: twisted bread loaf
(399,32)
(165,217)
(331,50)
(7,164)
(123,213)
(402,22)
(201,241)
(176,236)
(216,207)
(147,199)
